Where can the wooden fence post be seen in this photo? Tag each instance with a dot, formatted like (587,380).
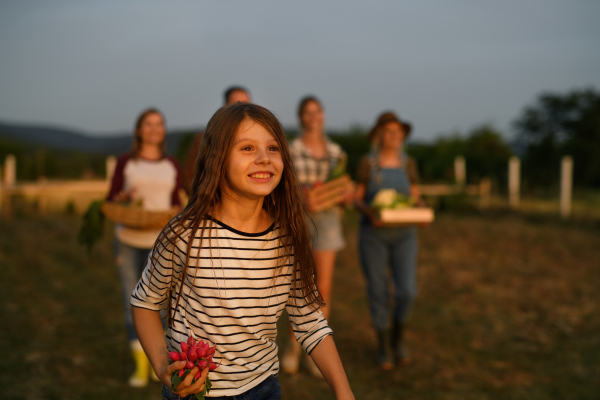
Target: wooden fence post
(485,190)
(1,183)
(111,164)
(10,170)
(460,170)
(566,186)
(514,181)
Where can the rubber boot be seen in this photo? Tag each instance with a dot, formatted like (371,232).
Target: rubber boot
(384,353)
(291,358)
(142,365)
(401,353)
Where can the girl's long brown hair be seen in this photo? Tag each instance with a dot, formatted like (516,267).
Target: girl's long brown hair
(285,204)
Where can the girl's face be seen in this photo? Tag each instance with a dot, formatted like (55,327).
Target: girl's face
(254,165)
(313,117)
(152,130)
(391,136)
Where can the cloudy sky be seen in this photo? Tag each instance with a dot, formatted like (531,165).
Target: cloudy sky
(444,65)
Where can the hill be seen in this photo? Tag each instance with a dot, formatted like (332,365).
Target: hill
(73,140)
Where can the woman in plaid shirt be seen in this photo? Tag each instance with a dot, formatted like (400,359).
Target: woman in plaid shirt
(315,156)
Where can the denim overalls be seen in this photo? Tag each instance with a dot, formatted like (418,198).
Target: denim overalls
(380,247)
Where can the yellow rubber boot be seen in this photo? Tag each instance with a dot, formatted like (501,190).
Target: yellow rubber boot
(142,365)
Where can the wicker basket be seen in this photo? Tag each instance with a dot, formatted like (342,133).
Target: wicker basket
(134,217)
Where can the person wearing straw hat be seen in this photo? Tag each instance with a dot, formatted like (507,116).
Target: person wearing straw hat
(387,167)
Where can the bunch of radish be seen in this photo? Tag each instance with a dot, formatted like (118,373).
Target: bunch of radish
(197,354)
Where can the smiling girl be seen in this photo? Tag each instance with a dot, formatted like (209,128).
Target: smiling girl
(232,260)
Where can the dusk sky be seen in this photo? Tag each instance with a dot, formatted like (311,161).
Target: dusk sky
(443,65)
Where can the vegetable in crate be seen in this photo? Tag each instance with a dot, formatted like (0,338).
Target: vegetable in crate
(197,354)
(390,198)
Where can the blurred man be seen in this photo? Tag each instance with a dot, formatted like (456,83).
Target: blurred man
(231,95)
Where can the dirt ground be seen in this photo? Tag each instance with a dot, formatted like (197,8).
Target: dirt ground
(508,308)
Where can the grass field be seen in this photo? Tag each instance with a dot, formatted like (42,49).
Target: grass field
(508,308)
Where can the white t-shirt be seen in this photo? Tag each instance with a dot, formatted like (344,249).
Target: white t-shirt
(154,184)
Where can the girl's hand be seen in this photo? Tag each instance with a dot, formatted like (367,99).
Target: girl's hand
(167,371)
(186,387)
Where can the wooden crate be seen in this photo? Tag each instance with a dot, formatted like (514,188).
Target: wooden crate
(330,193)
(406,216)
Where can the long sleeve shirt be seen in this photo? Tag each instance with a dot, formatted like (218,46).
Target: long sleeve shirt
(235,289)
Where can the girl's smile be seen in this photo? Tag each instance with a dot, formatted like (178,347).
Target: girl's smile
(261,177)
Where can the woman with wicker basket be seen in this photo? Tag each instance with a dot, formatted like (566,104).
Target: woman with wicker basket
(144,194)
(316,159)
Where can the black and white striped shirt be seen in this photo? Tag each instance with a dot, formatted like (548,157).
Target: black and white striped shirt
(232,298)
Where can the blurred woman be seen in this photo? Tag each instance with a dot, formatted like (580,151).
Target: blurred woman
(388,167)
(314,157)
(148,178)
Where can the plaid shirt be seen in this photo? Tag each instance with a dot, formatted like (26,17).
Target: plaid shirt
(308,168)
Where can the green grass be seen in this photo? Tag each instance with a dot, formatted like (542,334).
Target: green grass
(508,308)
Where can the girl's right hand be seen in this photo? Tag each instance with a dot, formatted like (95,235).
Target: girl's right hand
(185,387)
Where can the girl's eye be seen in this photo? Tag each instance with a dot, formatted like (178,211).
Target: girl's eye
(274,148)
(247,148)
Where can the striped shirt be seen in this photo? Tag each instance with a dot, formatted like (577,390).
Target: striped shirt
(233,298)
(310,169)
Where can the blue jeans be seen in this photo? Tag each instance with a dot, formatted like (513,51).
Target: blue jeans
(396,247)
(131,262)
(268,389)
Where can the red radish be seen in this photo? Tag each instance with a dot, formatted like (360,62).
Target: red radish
(198,374)
(189,365)
(192,355)
(174,356)
(181,372)
(202,364)
(212,366)
(191,341)
(182,356)
(184,347)
(211,351)
(202,352)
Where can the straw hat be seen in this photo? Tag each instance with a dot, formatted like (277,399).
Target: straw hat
(386,118)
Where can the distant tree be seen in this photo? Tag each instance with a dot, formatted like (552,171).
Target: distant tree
(560,124)
(484,148)
(487,154)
